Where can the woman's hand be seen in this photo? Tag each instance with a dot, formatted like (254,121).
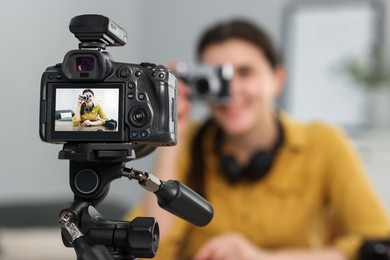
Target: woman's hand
(87,123)
(79,101)
(230,246)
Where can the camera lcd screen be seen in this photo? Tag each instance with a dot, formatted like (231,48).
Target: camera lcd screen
(86,112)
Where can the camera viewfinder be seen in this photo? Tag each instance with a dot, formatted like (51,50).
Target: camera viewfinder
(84,64)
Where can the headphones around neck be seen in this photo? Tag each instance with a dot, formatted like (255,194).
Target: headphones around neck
(87,109)
(258,166)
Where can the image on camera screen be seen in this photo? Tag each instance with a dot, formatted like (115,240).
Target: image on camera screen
(95,110)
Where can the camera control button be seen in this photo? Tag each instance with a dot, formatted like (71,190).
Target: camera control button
(138,73)
(134,134)
(130,96)
(58,76)
(161,75)
(131,85)
(141,96)
(50,76)
(124,73)
(143,134)
(154,74)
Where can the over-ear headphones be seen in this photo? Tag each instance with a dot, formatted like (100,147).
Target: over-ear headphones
(258,166)
(87,109)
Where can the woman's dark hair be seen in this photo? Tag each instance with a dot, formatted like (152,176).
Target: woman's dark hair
(88,90)
(244,30)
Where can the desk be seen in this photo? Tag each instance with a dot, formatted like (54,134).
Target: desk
(68,126)
(34,244)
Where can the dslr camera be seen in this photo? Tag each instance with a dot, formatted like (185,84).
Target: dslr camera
(375,250)
(206,82)
(141,98)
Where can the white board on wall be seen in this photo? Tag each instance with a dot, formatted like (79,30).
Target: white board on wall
(318,37)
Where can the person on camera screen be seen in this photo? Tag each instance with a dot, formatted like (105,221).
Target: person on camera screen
(88,113)
(280,188)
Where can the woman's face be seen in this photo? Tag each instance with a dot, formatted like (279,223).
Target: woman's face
(90,98)
(253,88)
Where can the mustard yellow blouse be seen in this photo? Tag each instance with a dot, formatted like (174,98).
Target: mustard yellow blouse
(96,113)
(316,195)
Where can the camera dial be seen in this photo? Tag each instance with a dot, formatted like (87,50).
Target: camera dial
(139,116)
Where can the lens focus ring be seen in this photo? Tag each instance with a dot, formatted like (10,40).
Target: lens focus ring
(139,116)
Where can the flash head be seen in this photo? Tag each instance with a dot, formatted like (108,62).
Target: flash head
(97,28)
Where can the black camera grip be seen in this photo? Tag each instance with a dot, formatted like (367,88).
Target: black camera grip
(185,203)
(163,107)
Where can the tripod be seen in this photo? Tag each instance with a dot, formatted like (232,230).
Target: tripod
(92,168)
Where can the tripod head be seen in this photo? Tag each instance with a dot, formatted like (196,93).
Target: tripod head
(92,168)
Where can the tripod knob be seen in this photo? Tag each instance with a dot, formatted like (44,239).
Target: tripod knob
(144,237)
(140,238)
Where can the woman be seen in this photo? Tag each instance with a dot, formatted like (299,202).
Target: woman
(280,189)
(88,113)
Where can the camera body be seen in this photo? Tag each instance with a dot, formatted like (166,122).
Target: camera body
(206,82)
(375,250)
(84,97)
(141,98)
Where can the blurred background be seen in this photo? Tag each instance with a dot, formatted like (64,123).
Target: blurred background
(336,54)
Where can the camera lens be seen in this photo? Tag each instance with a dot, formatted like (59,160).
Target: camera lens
(202,86)
(139,116)
(85,64)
